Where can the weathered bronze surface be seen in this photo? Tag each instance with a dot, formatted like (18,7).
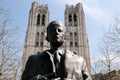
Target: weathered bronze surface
(55,63)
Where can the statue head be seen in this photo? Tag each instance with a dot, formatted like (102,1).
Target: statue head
(56,33)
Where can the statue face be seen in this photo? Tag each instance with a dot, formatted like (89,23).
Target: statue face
(56,34)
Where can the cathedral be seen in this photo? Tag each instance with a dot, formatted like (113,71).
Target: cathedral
(76,35)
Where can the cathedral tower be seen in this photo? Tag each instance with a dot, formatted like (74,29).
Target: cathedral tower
(76,36)
(35,39)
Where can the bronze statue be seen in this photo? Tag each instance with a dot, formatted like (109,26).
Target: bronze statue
(55,63)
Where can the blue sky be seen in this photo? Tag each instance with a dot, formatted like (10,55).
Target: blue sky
(98,15)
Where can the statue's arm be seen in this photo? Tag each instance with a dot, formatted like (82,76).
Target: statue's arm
(85,72)
(30,72)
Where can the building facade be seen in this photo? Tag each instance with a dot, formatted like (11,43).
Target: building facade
(112,75)
(76,36)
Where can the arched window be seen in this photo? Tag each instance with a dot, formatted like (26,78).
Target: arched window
(43,20)
(76,38)
(38,20)
(37,36)
(70,33)
(76,44)
(70,17)
(75,35)
(37,33)
(37,40)
(37,44)
(75,20)
(41,44)
(71,36)
(71,44)
(70,20)
(42,39)
(75,17)
(42,36)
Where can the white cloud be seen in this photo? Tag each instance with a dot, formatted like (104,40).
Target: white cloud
(95,12)
(92,10)
(69,2)
(73,2)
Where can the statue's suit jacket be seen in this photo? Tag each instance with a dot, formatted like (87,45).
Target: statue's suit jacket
(71,66)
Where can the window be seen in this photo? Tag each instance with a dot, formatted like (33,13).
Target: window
(76,44)
(75,36)
(38,20)
(70,17)
(70,33)
(37,44)
(37,33)
(70,20)
(71,36)
(75,17)
(41,44)
(42,36)
(75,20)
(37,36)
(42,39)
(43,20)
(71,44)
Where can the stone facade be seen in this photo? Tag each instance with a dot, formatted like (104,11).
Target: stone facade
(113,75)
(76,36)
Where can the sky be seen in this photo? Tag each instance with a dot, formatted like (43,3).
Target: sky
(98,15)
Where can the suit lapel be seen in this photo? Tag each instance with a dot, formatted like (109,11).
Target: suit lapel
(51,62)
(62,72)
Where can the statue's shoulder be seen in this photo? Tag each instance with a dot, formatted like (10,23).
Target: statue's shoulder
(44,53)
(33,59)
(74,56)
(69,53)
(38,55)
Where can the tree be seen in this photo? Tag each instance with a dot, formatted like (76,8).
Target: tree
(9,47)
(109,49)
(111,45)
(114,35)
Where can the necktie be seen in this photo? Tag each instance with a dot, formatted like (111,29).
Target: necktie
(59,61)
(56,60)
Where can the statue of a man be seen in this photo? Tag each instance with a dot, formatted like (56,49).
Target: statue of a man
(55,63)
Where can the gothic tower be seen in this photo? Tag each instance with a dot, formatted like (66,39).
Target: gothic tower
(35,39)
(76,36)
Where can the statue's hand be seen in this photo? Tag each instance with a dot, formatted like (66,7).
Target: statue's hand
(62,79)
(44,77)
(39,77)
